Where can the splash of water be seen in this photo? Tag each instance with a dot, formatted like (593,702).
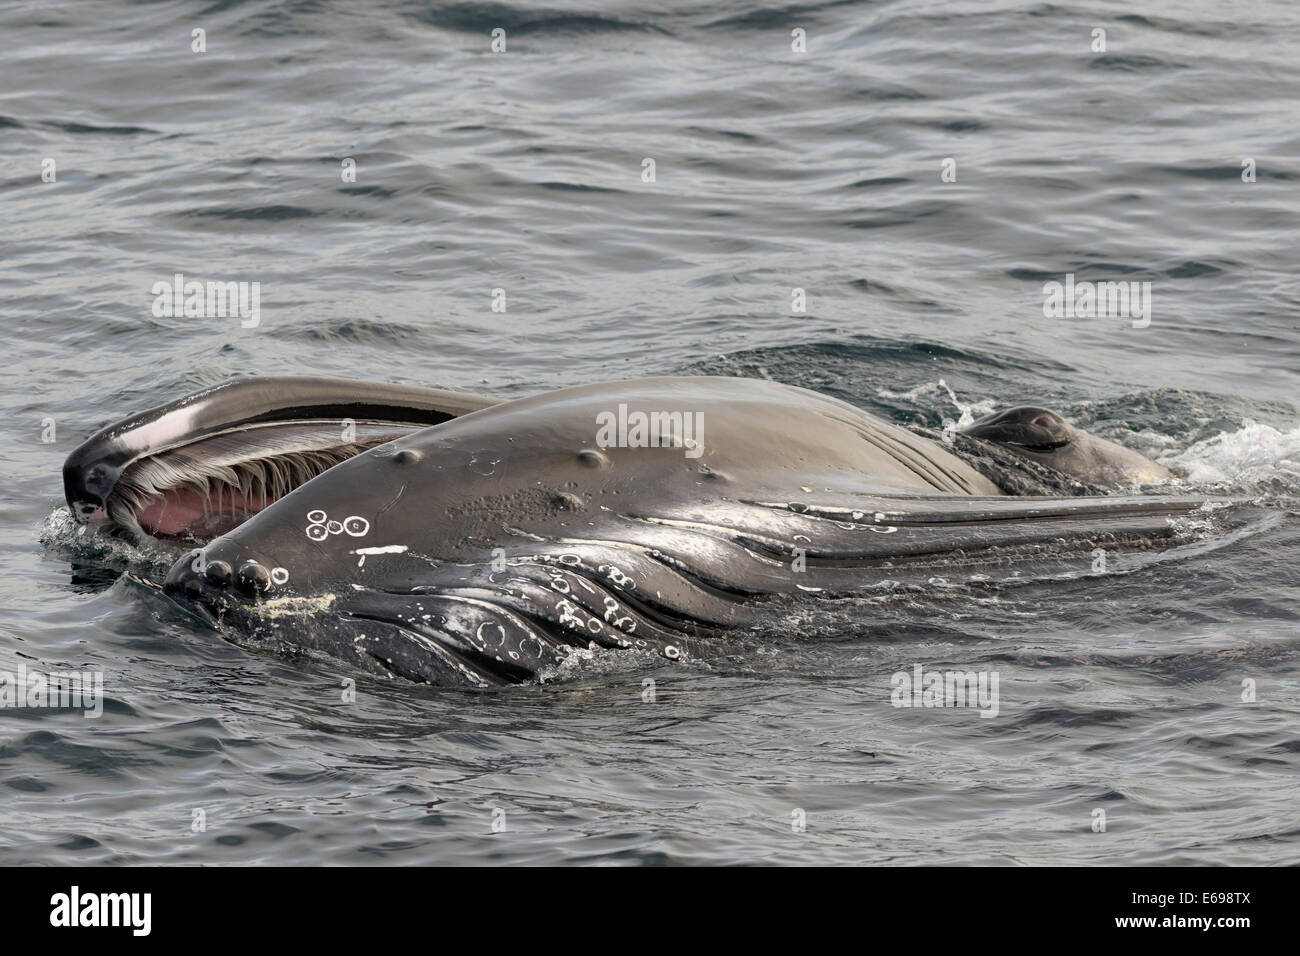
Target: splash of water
(1254,454)
(967,411)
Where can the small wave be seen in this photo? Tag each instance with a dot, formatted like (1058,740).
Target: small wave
(357,330)
(1136,63)
(273,213)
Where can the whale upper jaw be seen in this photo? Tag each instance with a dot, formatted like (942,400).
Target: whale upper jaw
(195,468)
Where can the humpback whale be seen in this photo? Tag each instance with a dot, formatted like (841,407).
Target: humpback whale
(456,539)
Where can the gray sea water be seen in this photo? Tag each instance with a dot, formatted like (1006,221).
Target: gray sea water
(774,170)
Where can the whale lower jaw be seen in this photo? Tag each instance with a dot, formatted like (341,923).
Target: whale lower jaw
(691,588)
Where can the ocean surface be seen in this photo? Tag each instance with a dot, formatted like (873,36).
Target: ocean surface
(1124,698)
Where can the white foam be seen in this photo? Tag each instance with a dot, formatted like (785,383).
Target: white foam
(62,532)
(1252,453)
(968,411)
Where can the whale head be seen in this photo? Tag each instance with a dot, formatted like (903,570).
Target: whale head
(198,467)
(1046,438)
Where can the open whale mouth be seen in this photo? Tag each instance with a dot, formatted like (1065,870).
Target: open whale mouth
(198,467)
(206,487)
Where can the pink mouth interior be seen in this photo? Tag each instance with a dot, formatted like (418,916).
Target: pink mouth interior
(187,514)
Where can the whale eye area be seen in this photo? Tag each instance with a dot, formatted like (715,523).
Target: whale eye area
(1026,428)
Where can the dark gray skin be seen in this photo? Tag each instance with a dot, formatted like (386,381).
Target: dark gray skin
(500,544)
(1044,437)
